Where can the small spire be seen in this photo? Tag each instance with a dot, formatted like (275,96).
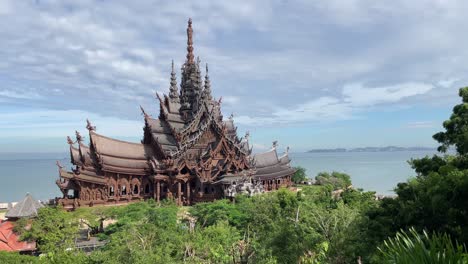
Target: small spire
(199,83)
(189,42)
(207,91)
(89,126)
(173,93)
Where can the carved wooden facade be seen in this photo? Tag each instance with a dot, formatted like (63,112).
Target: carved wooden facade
(189,153)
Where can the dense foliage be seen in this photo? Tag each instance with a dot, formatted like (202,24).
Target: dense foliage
(425,223)
(300,175)
(278,227)
(337,180)
(411,247)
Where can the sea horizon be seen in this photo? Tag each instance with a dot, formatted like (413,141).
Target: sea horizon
(36,173)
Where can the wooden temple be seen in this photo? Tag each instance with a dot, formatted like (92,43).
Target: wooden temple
(189,153)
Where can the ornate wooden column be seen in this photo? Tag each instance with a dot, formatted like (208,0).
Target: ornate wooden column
(188,192)
(179,193)
(158,191)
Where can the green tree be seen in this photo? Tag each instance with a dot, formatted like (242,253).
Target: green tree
(208,214)
(300,175)
(456,128)
(54,230)
(338,180)
(15,257)
(214,244)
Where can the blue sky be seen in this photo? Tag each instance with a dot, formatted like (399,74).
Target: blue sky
(311,74)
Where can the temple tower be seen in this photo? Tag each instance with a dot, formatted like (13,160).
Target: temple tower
(191,85)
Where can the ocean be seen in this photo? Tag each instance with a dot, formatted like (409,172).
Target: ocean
(373,171)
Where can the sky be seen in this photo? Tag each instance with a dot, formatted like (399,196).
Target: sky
(310,74)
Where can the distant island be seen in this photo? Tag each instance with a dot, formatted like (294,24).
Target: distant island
(372,149)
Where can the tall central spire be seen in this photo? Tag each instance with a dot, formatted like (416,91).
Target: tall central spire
(191,84)
(189,42)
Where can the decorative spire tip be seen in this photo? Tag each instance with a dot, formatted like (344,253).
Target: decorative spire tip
(189,42)
(89,126)
(275,144)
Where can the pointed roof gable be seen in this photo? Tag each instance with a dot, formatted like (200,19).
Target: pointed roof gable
(266,159)
(26,208)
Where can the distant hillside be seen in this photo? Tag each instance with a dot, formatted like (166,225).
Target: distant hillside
(372,149)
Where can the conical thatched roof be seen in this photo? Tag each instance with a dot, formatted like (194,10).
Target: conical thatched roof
(26,208)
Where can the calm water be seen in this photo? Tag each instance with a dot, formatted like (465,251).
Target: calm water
(372,171)
(380,171)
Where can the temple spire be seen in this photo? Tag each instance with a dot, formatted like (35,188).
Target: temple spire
(189,42)
(207,90)
(173,93)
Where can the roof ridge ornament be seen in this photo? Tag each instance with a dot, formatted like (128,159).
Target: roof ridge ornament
(190,42)
(143,112)
(58,164)
(70,141)
(89,126)
(79,138)
(275,144)
(162,107)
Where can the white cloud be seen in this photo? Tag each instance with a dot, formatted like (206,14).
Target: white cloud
(231,100)
(421,124)
(19,94)
(355,99)
(358,95)
(447,83)
(59,123)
